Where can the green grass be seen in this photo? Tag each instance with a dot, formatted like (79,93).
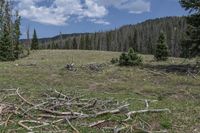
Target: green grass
(178,92)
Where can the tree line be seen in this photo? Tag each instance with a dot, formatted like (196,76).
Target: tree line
(181,35)
(141,37)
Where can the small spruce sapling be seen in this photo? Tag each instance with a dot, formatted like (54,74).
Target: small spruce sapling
(161,52)
(130,59)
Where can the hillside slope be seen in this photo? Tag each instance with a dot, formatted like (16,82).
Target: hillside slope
(142,37)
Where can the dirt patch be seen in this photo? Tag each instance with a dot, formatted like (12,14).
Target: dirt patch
(113,80)
(180,69)
(93,86)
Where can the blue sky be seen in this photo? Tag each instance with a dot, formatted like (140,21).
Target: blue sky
(50,17)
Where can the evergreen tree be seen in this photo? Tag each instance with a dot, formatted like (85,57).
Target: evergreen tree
(6,48)
(66,44)
(6,45)
(74,44)
(99,44)
(135,40)
(161,52)
(1,15)
(88,42)
(35,43)
(130,59)
(131,41)
(56,46)
(17,34)
(150,46)
(82,42)
(53,45)
(108,40)
(191,45)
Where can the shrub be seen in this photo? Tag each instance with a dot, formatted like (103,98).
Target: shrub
(114,60)
(130,59)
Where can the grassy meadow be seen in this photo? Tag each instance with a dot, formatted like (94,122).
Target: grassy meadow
(45,69)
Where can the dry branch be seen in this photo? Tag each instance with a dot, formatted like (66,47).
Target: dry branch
(121,109)
(42,124)
(72,126)
(17,91)
(96,123)
(129,114)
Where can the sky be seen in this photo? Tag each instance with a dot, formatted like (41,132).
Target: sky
(50,17)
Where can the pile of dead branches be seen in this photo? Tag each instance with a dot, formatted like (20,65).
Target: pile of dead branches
(59,112)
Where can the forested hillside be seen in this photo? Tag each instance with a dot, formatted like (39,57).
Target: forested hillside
(142,37)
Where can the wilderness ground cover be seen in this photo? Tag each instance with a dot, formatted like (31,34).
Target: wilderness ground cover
(45,69)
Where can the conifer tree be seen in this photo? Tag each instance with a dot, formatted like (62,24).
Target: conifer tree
(82,42)
(35,43)
(99,44)
(88,42)
(130,59)
(135,40)
(6,48)
(161,52)
(191,45)
(74,44)
(17,34)
(53,45)
(66,44)
(1,15)
(6,45)
(108,40)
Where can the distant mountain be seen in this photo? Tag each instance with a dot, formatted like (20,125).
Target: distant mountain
(142,37)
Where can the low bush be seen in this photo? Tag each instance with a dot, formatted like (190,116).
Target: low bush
(130,59)
(114,60)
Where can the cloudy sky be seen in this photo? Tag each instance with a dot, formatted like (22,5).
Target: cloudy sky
(49,17)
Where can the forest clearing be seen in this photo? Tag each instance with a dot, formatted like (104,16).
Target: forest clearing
(43,72)
(99,66)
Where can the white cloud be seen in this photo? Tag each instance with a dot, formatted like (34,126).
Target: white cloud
(133,6)
(59,12)
(93,10)
(100,21)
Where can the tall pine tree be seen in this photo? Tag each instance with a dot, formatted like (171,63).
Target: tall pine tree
(6,40)
(88,42)
(74,44)
(191,45)
(6,48)
(35,43)
(17,34)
